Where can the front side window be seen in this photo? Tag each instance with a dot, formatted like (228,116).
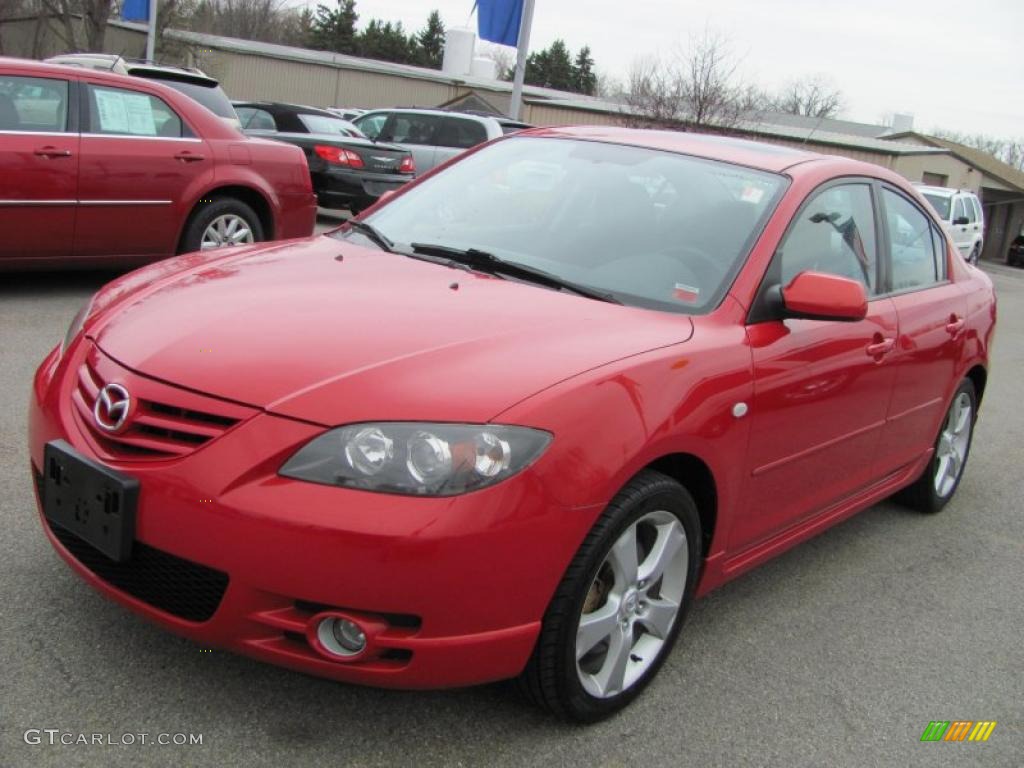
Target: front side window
(33,104)
(969,211)
(915,262)
(958,211)
(118,111)
(977,208)
(834,234)
(371,125)
(654,229)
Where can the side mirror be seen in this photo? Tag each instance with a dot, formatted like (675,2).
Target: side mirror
(817,296)
(961,221)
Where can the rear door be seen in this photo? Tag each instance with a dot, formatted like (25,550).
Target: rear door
(139,159)
(456,135)
(931,311)
(963,212)
(38,166)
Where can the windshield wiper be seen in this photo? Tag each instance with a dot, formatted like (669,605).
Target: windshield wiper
(373,234)
(484,261)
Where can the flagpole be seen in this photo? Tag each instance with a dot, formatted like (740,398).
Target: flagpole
(151,33)
(521,53)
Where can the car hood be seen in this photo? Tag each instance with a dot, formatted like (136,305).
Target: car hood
(329,332)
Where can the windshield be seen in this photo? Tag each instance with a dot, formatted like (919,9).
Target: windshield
(940,203)
(652,228)
(324,124)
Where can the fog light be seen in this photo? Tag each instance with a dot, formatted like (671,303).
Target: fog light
(341,636)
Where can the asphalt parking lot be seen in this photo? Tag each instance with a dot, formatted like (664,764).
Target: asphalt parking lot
(838,653)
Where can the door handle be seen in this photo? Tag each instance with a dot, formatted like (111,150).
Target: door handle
(188,157)
(51,152)
(955,325)
(882,347)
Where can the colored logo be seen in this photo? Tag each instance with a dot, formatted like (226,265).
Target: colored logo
(958,730)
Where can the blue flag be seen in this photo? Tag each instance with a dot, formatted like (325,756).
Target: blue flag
(498,20)
(135,10)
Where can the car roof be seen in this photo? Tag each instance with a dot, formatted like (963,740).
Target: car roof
(422,111)
(281,106)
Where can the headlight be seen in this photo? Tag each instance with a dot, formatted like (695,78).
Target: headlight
(417,458)
(76,326)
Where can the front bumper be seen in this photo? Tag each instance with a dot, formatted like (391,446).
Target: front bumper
(456,587)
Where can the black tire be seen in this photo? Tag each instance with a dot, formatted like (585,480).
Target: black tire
(550,679)
(206,212)
(922,494)
(975,256)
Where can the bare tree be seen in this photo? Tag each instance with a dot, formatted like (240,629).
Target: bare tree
(248,19)
(698,87)
(94,14)
(814,96)
(1009,151)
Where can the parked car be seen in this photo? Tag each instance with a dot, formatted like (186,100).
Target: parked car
(491,431)
(347,113)
(347,169)
(432,135)
(961,215)
(1015,256)
(99,169)
(194,83)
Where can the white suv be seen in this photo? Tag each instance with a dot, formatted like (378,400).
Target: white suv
(961,215)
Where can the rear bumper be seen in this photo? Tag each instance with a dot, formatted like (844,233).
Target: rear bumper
(336,188)
(233,556)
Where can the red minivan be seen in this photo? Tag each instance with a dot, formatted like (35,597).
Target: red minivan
(98,169)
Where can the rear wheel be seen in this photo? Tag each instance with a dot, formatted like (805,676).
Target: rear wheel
(940,479)
(223,222)
(621,603)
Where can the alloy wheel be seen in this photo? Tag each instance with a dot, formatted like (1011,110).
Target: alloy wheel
(632,604)
(227,229)
(954,440)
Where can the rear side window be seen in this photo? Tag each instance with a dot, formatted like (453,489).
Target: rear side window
(915,262)
(977,208)
(835,234)
(412,129)
(33,104)
(211,95)
(121,112)
(460,133)
(257,119)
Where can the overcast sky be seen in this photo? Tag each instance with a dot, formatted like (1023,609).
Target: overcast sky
(956,65)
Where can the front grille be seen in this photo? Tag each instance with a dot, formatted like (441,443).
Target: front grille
(170,583)
(166,422)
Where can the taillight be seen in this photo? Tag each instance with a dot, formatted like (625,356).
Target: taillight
(407,165)
(338,156)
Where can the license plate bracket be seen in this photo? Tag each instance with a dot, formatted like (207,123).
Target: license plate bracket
(95,503)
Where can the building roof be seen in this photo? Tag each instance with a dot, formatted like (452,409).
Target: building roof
(767,126)
(979,158)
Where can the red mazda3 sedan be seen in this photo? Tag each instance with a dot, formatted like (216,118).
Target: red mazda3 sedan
(515,419)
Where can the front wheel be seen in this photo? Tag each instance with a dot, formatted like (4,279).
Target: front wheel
(621,603)
(940,479)
(975,256)
(221,222)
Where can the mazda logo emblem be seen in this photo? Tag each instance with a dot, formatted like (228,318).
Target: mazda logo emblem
(112,406)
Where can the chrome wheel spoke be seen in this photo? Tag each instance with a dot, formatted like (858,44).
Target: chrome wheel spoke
(670,539)
(228,229)
(623,557)
(595,627)
(612,675)
(658,617)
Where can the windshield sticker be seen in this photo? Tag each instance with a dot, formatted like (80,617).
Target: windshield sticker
(687,293)
(752,194)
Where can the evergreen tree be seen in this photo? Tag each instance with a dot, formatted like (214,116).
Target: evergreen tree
(430,42)
(584,80)
(387,42)
(335,29)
